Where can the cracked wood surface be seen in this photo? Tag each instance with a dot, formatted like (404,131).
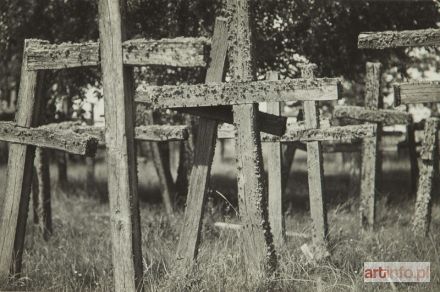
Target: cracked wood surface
(121,156)
(397,39)
(177,52)
(417,92)
(237,93)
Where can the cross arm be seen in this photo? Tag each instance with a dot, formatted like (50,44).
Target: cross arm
(177,52)
(396,39)
(49,138)
(236,93)
(386,117)
(416,92)
(301,134)
(151,133)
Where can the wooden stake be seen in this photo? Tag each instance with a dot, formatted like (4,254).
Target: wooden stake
(187,249)
(19,179)
(275,176)
(315,173)
(258,242)
(371,161)
(412,151)
(121,156)
(44,192)
(429,154)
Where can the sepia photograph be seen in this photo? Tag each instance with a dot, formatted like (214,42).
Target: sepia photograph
(219,145)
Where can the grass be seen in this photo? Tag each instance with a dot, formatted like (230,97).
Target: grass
(78,255)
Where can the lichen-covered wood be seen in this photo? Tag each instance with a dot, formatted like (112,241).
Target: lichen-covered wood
(339,133)
(19,179)
(259,252)
(422,216)
(54,139)
(315,175)
(188,246)
(178,52)
(416,92)
(121,153)
(152,133)
(267,123)
(235,93)
(396,39)
(385,117)
(275,184)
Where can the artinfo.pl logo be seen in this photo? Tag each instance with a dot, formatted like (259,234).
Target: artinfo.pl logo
(414,272)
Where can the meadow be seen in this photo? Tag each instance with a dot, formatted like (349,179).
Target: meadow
(78,255)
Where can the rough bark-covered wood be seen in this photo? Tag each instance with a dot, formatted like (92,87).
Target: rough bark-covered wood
(315,173)
(121,156)
(416,92)
(44,191)
(385,117)
(257,238)
(412,150)
(19,178)
(396,39)
(205,148)
(422,216)
(267,123)
(235,93)
(371,157)
(178,52)
(54,139)
(275,184)
(152,133)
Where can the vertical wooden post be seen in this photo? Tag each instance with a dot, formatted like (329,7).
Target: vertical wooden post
(371,161)
(44,209)
(19,178)
(429,155)
(258,242)
(121,156)
(412,151)
(275,177)
(91,161)
(162,167)
(205,148)
(315,173)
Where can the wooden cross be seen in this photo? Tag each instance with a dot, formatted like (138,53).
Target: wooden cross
(24,138)
(242,95)
(415,92)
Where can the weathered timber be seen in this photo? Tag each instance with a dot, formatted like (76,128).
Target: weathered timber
(412,150)
(396,39)
(121,156)
(338,133)
(422,216)
(275,184)
(44,192)
(19,179)
(236,93)
(371,157)
(267,123)
(259,252)
(315,170)
(385,117)
(152,133)
(188,246)
(178,52)
(54,139)
(416,92)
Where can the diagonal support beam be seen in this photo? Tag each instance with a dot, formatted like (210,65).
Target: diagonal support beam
(416,92)
(238,93)
(398,39)
(178,52)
